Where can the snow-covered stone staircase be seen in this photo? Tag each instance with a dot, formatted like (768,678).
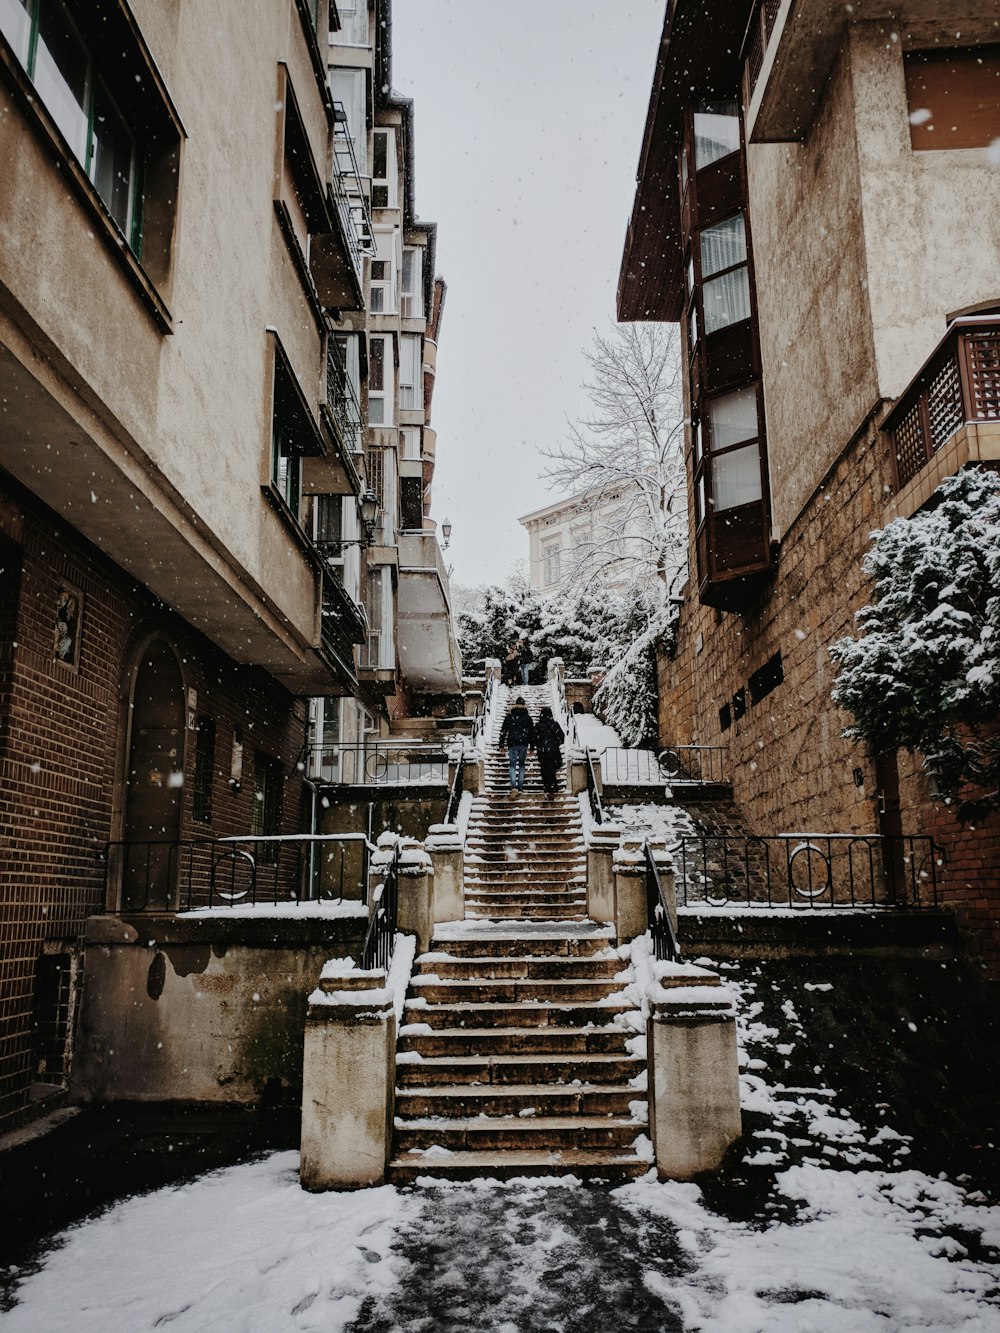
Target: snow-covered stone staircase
(514,1056)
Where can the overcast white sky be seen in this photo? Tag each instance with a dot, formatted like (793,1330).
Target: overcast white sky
(528,124)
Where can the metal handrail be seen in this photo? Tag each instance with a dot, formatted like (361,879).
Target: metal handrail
(678,765)
(805,870)
(349,193)
(485,711)
(661,926)
(182,874)
(383,763)
(596,808)
(381,934)
(455,792)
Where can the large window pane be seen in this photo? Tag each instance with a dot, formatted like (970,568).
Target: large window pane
(732,418)
(15,24)
(736,478)
(716,132)
(60,74)
(113,163)
(723,246)
(726,300)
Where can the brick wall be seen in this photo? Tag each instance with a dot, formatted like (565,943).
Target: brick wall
(792,769)
(61,753)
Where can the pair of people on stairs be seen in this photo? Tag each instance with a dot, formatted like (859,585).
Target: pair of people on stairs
(520,735)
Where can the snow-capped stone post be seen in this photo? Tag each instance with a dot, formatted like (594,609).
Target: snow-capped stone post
(602,843)
(631,917)
(694,1086)
(492,672)
(444,846)
(472,772)
(415,900)
(556,669)
(348,1078)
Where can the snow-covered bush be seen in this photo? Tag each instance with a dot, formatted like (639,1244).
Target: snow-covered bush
(924,674)
(628,696)
(504,614)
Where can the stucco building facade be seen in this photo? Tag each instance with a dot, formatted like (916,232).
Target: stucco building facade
(817,207)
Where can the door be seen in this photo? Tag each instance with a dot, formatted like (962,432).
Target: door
(154,782)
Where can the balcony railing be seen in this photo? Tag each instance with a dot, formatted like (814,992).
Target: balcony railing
(342,400)
(343,621)
(959,384)
(755,46)
(349,196)
(381,763)
(678,765)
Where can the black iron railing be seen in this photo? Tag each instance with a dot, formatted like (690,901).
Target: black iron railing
(678,765)
(159,875)
(455,791)
(381,935)
(803,870)
(380,763)
(485,711)
(341,398)
(593,790)
(348,193)
(342,621)
(661,926)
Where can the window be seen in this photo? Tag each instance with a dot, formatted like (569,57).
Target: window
(739,704)
(265,816)
(716,132)
(383,277)
(353,23)
(550,562)
(735,467)
(766,678)
(953,97)
(384,169)
(411,303)
(349,88)
(411,389)
(293,434)
(409,443)
(204,764)
(725,298)
(725,718)
(378,607)
(59,61)
(380,384)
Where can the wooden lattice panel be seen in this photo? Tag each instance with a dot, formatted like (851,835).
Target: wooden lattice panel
(983,352)
(944,403)
(911,450)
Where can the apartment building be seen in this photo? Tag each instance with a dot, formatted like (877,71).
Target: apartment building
(817,206)
(410,658)
(181,259)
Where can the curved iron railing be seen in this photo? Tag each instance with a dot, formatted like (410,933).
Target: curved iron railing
(455,792)
(381,934)
(593,791)
(808,870)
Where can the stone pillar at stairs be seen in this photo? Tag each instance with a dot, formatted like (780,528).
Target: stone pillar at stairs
(631,917)
(472,774)
(444,846)
(348,1081)
(694,1092)
(602,844)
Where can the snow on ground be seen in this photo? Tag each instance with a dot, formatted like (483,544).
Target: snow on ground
(670,822)
(844,1237)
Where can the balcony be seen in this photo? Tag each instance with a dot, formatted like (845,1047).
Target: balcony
(787,59)
(337,260)
(342,625)
(428,651)
(949,415)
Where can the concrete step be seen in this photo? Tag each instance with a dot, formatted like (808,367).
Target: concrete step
(534,941)
(552,1099)
(511,991)
(483,911)
(535,1133)
(501,1069)
(519,1014)
(517,1041)
(486,968)
(596,1164)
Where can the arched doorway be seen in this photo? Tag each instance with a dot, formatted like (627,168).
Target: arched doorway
(154,777)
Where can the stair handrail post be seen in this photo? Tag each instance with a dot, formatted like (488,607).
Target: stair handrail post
(602,843)
(415,911)
(445,848)
(629,867)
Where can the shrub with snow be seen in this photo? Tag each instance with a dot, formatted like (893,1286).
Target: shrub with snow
(924,674)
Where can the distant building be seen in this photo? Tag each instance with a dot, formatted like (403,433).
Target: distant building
(581,541)
(816,206)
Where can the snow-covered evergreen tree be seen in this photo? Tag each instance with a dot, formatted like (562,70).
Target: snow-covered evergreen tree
(924,674)
(504,614)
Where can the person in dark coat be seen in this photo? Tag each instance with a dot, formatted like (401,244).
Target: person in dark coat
(518,734)
(511,669)
(525,657)
(549,737)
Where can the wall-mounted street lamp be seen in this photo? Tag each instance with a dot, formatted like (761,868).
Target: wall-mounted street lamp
(446,532)
(368,511)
